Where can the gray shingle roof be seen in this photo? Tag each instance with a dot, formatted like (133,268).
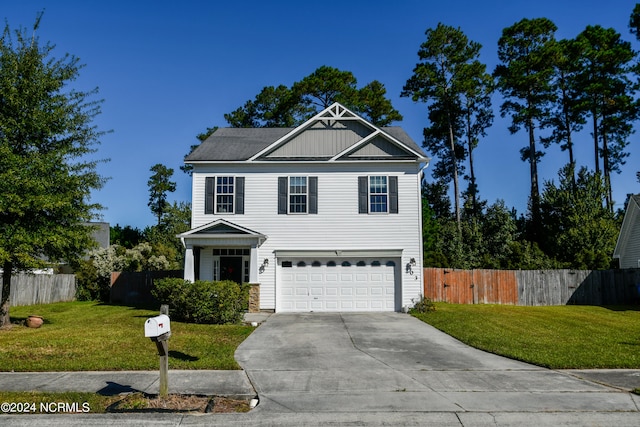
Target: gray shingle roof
(237,144)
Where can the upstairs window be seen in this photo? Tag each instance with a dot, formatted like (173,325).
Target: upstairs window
(378,194)
(298,194)
(224,195)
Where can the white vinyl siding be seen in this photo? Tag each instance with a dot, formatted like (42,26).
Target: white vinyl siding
(336,226)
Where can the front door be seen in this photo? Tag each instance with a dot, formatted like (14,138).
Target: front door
(231,268)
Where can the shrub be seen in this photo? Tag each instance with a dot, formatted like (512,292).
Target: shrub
(423,305)
(202,301)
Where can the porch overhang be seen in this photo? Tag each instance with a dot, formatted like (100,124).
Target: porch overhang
(221,232)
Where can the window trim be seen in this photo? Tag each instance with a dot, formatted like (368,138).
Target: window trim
(305,194)
(364,194)
(385,194)
(211,195)
(284,204)
(232,194)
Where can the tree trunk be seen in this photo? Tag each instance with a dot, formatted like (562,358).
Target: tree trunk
(567,124)
(606,172)
(456,189)
(6,290)
(535,192)
(595,142)
(472,175)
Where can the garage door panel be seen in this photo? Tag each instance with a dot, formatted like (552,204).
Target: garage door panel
(349,285)
(346,291)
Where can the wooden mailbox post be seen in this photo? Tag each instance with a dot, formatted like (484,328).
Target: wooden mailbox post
(159,330)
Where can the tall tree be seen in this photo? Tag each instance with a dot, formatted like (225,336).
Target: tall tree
(159,185)
(478,116)
(524,78)
(46,133)
(449,79)
(634,21)
(565,117)
(375,106)
(286,107)
(607,91)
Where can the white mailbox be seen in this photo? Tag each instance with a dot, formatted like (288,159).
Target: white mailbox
(156,326)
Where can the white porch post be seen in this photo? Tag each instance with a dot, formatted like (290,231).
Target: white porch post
(189,264)
(253,264)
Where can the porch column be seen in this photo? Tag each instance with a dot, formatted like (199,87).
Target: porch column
(189,264)
(253,264)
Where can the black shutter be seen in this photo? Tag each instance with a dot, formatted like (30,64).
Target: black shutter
(393,194)
(209,184)
(283,183)
(239,195)
(363,194)
(313,194)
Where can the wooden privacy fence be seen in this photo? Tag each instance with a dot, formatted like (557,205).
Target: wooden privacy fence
(134,288)
(29,289)
(533,287)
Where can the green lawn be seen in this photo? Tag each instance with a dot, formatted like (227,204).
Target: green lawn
(557,337)
(84,336)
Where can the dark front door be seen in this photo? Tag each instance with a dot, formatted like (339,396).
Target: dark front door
(231,268)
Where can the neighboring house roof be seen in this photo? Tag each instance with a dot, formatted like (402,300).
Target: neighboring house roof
(629,223)
(334,134)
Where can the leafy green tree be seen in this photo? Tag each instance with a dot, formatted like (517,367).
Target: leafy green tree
(634,21)
(126,236)
(46,133)
(159,185)
(272,107)
(375,106)
(478,116)
(325,86)
(453,83)
(287,107)
(565,117)
(524,75)
(176,219)
(579,231)
(607,97)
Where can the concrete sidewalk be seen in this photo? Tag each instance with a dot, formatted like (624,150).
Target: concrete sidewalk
(209,382)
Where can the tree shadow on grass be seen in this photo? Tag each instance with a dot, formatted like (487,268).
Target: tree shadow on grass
(182,356)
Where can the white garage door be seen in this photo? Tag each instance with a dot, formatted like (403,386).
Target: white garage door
(337,285)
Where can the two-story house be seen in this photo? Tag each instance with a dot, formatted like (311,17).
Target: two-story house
(324,217)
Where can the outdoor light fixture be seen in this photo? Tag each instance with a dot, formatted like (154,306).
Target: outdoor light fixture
(265,262)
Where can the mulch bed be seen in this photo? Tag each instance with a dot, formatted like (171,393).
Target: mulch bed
(142,402)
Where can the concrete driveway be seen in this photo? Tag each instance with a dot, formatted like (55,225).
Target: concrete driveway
(392,362)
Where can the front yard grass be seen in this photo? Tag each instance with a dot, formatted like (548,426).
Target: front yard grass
(557,337)
(89,336)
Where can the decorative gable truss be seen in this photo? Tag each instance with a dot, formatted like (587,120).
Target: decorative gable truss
(337,134)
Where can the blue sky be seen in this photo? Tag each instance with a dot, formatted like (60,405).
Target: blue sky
(167,70)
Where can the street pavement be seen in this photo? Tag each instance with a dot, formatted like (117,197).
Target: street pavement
(362,369)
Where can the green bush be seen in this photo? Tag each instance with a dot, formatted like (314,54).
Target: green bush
(423,305)
(202,301)
(89,286)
